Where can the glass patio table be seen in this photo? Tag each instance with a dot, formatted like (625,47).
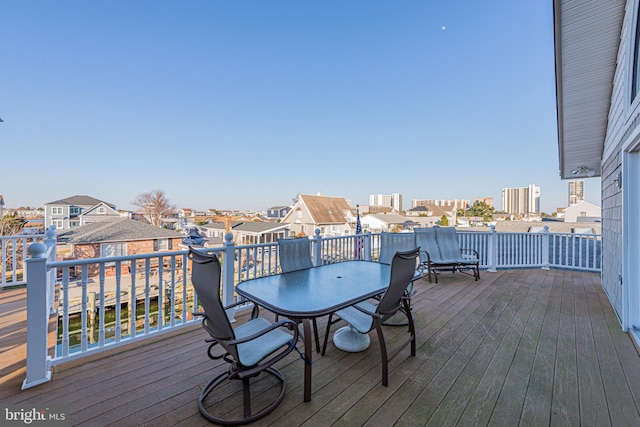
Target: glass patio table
(304,295)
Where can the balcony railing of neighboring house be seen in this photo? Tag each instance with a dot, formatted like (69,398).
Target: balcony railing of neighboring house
(13,254)
(102,303)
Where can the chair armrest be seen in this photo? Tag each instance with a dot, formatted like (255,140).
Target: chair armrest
(364,310)
(471,252)
(290,324)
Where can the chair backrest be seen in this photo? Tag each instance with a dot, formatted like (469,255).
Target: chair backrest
(205,276)
(295,254)
(448,243)
(390,243)
(403,267)
(426,240)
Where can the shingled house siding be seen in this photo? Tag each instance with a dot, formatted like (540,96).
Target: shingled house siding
(619,130)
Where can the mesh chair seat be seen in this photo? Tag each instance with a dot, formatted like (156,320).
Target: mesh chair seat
(360,321)
(252,352)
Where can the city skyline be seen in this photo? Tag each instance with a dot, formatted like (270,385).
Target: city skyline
(246,105)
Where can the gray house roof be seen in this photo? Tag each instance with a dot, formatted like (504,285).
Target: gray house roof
(118,230)
(80,201)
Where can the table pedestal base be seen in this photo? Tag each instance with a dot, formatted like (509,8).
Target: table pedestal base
(348,339)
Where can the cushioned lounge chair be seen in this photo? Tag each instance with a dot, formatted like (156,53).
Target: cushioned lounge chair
(466,260)
(430,257)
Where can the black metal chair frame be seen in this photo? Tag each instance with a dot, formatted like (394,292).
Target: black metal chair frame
(206,280)
(395,299)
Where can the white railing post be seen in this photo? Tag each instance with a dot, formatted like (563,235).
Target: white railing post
(492,248)
(50,243)
(317,248)
(38,359)
(545,248)
(228,284)
(367,246)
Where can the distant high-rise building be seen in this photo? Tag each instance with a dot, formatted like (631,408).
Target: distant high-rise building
(386,201)
(455,203)
(576,192)
(487,200)
(522,200)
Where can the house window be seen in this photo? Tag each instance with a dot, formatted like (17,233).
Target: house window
(56,211)
(73,224)
(58,223)
(112,249)
(635,83)
(74,210)
(102,210)
(161,245)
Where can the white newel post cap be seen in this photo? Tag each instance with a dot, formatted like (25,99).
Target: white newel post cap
(37,250)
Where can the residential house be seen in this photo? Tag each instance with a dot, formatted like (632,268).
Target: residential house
(435,212)
(245,232)
(275,213)
(185,213)
(376,223)
(65,214)
(331,215)
(582,212)
(118,237)
(597,50)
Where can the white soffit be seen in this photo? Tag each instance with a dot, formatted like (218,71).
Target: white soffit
(587,36)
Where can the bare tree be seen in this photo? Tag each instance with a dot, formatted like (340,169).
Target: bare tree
(154,206)
(11,224)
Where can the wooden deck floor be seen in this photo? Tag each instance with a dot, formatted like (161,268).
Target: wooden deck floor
(528,347)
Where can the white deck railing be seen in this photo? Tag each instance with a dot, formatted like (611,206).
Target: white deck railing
(106,302)
(13,255)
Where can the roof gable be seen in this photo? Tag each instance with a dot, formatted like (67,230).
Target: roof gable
(326,210)
(80,201)
(94,210)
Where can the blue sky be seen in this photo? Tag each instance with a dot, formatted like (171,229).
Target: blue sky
(245,104)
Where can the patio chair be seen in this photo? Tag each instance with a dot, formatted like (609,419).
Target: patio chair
(465,259)
(250,349)
(390,243)
(365,316)
(431,258)
(295,254)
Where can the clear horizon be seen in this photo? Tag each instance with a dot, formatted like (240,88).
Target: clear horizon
(243,105)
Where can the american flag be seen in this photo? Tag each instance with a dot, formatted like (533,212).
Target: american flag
(359,240)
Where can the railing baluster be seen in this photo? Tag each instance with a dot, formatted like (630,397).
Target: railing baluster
(118,303)
(84,339)
(101,331)
(65,312)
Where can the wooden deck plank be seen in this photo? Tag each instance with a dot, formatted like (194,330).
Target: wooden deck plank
(619,399)
(565,403)
(590,385)
(537,402)
(520,346)
(440,368)
(510,328)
